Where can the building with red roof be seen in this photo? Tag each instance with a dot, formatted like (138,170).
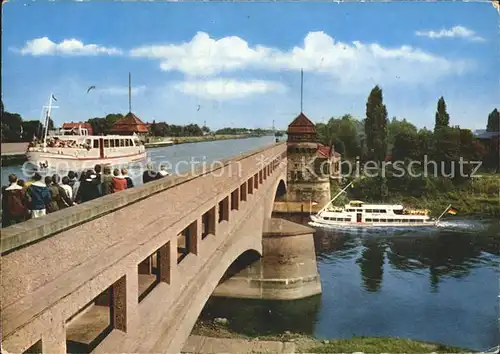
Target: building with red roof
(129,125)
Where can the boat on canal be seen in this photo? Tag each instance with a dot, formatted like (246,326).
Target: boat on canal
(366,215)
(75,149)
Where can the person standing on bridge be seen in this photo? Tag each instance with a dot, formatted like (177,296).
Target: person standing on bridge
(119,183)
(13,209)
(163,172)
(63,201)
(107,181)
(149,175)
(130,183)
(37,196)
(74,183)
(88,189)
(99,179)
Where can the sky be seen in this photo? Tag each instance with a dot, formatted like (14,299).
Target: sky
(233,64)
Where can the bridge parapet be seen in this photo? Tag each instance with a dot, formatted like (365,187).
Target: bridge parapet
(116,250)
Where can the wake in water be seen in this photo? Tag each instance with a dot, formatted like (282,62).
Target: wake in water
(461,224)
(443,225)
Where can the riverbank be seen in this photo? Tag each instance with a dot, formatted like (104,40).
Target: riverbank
(210,337)
(199,139)
(13,153)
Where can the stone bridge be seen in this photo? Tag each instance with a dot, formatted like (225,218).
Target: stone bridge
(140,263)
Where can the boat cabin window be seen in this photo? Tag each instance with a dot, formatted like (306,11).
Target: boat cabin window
(351,210)
(96,144)
(112,143)
(106,143)
(398,211)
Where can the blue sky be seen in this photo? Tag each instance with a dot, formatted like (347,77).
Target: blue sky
(238,64)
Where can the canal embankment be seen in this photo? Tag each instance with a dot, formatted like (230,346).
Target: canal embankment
(153,142)
(215,337)
(13,153)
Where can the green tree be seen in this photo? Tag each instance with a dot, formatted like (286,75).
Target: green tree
(112,118)
(100,126)
(11,127)
(493,121)
(32,129)
(447,147)
(394,127)
(406,146)
(425,142)
(442,116)
(376,125)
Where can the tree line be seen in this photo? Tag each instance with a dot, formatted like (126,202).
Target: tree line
(15,129)
(384,141)
(378,138)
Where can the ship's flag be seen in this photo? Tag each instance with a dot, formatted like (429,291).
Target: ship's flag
(452,211)
(54,98)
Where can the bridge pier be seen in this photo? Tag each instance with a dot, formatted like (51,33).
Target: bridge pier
(286,271)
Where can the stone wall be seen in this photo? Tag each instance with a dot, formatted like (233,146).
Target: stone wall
(286,271)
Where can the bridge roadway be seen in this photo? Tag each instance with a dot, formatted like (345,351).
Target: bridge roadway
(179,235)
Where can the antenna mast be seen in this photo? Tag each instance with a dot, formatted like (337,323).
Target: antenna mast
(301,89)
(47,120)
(129,92)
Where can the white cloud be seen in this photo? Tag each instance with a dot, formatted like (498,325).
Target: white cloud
(121,90)
(348,63)
(220,89)
(73,47)
(454,32)
(203,55)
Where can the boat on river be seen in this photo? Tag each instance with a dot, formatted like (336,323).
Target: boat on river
(74,149)
(360,214)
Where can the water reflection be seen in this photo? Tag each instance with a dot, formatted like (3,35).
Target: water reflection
(258,317)
(442,252)
(437,284)
(371,264)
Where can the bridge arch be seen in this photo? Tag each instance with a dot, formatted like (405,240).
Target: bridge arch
(280,189)
(176,335)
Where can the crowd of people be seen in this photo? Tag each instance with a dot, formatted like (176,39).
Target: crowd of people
(23,200)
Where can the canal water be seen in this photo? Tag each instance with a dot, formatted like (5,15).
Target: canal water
(179,158)
(438,285)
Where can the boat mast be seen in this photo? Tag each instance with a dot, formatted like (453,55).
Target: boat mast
(440,216)
(46,125)
(338,194)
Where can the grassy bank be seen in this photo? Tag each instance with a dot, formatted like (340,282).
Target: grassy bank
(308,344)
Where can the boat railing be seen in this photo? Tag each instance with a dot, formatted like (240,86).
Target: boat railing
(416,212)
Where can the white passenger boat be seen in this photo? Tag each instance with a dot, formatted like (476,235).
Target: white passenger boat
(360,214)
(74,149)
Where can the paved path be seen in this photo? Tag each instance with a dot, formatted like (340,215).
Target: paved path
(209,345)
(14,148)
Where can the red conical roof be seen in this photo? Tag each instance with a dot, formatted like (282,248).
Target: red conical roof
(129,124)
(301,125)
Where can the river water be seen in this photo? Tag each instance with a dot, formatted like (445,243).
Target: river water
(438,285)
